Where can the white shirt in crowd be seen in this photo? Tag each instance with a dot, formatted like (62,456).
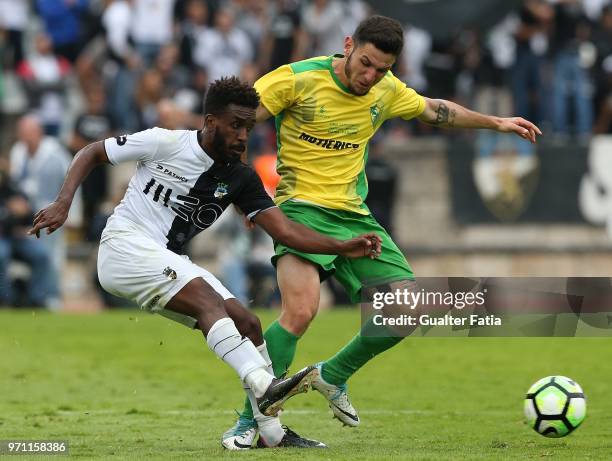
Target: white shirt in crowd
(39,176)
(152,21)
(325,27)
(14,14)
(221,54)
(116,20)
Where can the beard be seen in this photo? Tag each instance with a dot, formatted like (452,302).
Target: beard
(348,72)
(222,149)
(347,67)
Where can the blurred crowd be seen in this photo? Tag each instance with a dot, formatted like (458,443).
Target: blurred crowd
(75,71)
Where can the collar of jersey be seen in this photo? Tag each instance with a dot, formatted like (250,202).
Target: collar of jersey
(333,74)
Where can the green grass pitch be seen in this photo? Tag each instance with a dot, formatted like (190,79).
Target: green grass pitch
(128,385)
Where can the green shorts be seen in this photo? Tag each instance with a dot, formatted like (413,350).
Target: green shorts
(356,273)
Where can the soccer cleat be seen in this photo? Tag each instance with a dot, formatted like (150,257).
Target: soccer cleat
(292,440)
(281,389)
(338,399)
(241,435)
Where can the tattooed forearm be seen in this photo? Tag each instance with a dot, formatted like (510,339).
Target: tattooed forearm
(448,114)
(445,116)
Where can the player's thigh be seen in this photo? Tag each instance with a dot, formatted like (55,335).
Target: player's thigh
(299,285)
(298,282)
(137,268)
(391,266)
(198,300)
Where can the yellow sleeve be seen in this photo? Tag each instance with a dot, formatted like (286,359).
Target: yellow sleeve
(407,103)
(277,89)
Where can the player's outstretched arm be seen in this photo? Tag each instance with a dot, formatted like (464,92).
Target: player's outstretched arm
(448,114)
(54,216)
(302,238)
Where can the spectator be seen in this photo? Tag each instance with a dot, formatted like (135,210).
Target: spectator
(124,61)
(173,74)
(91,21)
(225,49)
(570,80)
(442,67)
(44,76)
(253,18)
(493,95)
(285,40)
(152,27)
(190,98)
(412,60)
(602,38)
(604,119)
(1,79)
(38,165)
(194,23)
(15,218)
(531,44)
(322,22)
(14,19)
(149,93)
(62,19)
(92,124)
(593,9)
(355,11)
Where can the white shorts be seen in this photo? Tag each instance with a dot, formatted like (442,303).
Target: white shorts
(133,266)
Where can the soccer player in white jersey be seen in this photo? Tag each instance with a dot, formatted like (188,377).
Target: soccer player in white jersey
(184,180)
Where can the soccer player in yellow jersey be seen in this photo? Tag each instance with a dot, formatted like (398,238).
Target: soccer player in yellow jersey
(326,110)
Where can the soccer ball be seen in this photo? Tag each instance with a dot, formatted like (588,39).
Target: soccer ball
(555,406)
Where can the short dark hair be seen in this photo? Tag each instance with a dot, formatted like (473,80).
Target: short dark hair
(384,33)
(229,90)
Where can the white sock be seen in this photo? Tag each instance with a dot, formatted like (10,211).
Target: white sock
(263,350)
(239,353)
(258,381)
(270,427)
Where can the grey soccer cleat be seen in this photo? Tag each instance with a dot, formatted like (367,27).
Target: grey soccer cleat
(337,398)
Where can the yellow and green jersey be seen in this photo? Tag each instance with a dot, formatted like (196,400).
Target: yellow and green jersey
(323,130)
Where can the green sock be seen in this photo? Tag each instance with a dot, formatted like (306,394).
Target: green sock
(361,349)
(281,345)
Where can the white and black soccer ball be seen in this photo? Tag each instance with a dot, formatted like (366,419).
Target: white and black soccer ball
(555,406)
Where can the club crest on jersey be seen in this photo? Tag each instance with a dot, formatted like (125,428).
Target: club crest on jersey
(220,191)
(170,273)
(375,113)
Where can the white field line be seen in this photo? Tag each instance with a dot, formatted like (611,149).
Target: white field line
(287,412)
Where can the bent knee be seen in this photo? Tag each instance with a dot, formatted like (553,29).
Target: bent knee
(297,320)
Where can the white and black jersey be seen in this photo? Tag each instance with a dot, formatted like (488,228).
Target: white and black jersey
(178,190)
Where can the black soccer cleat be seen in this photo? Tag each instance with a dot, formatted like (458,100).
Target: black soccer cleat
(292,440)
(281,389)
